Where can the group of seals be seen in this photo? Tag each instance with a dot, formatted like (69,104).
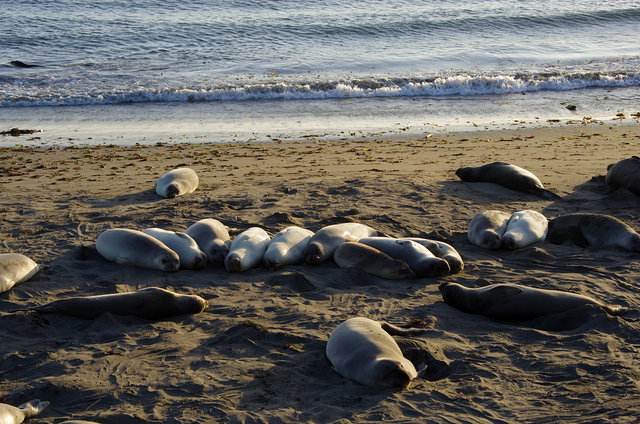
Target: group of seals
(494,229)
(16,414)
(15,268)
(515,302)
(363,350)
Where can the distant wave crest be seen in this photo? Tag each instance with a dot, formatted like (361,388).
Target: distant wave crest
(450,85)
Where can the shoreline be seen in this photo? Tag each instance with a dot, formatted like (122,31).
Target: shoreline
(257,353)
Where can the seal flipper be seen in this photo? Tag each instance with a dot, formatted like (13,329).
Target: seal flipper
(544,193)
(397,331)
(6,284)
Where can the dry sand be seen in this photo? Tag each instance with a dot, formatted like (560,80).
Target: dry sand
(257,353)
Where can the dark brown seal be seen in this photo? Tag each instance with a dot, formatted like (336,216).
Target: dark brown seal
(592,229)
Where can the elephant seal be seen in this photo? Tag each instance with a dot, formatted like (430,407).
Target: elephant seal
(212,238)
(441,250)
(152,303)
(191,257)
(355,255)
(15,415)
(21,64)
(625,173)
(514,302)
(15,268)
(595,230)
(177,182)
(132,247)
(247,250)
(325,241)
(487,228)
(524,228)
(363,350)
(419,258)
(506,175)
(287,247)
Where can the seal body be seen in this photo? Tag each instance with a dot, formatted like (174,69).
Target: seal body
(247,250)
(188,251)
(132,247)
(596,230)
(625,173)
(506,175)
(514,302)
(355,255)
(152,303)
(287,247)
(487,228)
(15,268)
(15,415)
(212,237)
(361,350)
(177,182)
(441,250)
(524,228)
(419,258)
(325,241)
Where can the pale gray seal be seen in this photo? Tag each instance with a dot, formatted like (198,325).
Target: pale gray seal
(132,247)
(363,350)
(419,258)
(287,247)
(506,175)
(625,173)
(355,255)
(487,228)
(177,182)
(191,257)
(152,303)
(15,415)
(247,250)
(213,238)
(441,250)
(524,228)
(325,241)
(595,230)
(514,302)
(15,268)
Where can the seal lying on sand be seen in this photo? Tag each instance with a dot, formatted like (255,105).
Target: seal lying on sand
(506,175)
(133,247)
(441,250)
(177,182)
(325,241)
(514,302)
(212,237)
(15,415)
(15,268)
(191,257)
(595,230)
(625,173)
(287,247)
(487,228)
(419,258)
(247,250)
(363,350)
(152,303)
(524,228)
(355,255)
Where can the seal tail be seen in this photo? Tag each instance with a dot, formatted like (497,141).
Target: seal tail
(616,310)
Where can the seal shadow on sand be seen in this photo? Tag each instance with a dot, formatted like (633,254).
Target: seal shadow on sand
(484,193)
(596,196)
(140,197)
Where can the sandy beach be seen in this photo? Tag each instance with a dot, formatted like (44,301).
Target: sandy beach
(256,355)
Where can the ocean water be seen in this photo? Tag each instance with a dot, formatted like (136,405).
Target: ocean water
(247,69)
